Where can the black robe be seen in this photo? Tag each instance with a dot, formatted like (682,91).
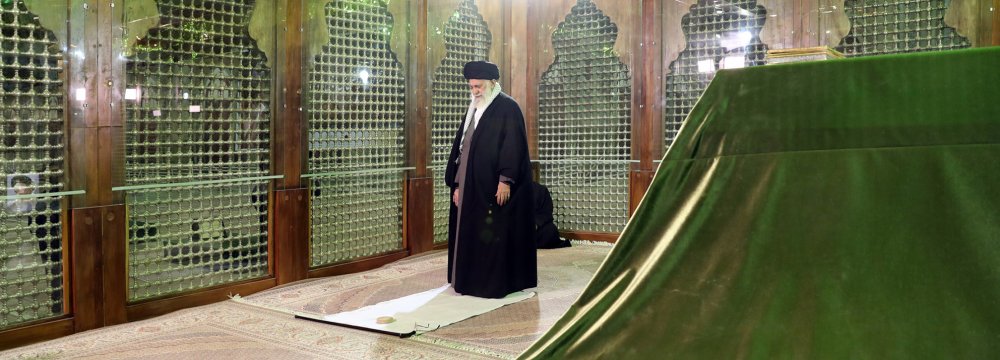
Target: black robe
(546,232)
(495,253)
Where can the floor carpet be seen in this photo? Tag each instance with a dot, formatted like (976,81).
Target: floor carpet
(505,332)
(264,330)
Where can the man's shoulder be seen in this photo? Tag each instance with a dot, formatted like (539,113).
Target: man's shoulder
(506,101)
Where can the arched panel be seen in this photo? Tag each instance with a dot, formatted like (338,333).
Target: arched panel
(32,170)
(584,124)
(891,27)
(356,94)
(197,121)
(718,36)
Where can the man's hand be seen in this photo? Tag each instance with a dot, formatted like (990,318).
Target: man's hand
(503,193)
(454,197)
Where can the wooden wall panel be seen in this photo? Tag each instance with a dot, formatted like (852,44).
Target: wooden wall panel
(964,16)
(31,334)
(419,92)
(86,259)
(153,308)
(288,155)
(518,40)
(782,27)
(290,240)
(647,137)
(548,18)
(627,15)
(996,22)
(591,236)
(438,13)
(358,265)
(418,218)
(493,13)
(639,182)
(114,266)
(673,41)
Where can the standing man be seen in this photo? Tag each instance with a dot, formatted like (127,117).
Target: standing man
(491,249)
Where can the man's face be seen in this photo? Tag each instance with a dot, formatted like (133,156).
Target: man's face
(22,189)
(478,87)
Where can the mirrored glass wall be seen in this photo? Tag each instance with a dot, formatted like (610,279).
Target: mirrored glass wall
(356,108)
(197,134)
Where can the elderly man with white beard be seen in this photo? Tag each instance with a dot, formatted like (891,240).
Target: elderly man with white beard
(491,249)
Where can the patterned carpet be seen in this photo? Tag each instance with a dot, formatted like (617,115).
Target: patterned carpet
(505,332)
(233,330)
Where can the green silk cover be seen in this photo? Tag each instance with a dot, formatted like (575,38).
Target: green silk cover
(845,209)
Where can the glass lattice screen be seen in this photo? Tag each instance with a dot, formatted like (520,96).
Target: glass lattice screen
(466,38)
(197,123)
(356,110)
(584,125)
(31,114)
(718,36)
(898,26)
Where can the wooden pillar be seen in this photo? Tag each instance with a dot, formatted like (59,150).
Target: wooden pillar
(95,253)
(288,229)
(647,128)
(87,289)
(290,235)
(418,207)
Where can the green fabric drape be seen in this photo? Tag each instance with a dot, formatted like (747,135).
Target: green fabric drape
(844,209)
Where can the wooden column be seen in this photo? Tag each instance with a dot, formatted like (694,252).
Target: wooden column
(290,235)
(95,253)
(288,230)
(647,126)
(418,206)
(87,278)
(289,153)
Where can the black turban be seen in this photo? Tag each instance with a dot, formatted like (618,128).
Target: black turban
(482,70)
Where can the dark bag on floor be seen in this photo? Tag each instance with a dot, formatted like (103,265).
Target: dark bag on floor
(546,233)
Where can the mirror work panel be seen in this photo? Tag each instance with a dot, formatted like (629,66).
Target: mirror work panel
(891,27)
(717,37)
(197,140)
(584,124)
(356,106)
(32,177)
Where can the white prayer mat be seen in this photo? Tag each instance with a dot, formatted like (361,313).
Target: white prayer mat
(418,313)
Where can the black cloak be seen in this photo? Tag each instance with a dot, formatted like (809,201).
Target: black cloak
(546,232)
(495,253)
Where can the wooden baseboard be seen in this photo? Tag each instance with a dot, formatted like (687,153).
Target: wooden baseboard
(156,307)
(358,265)
(31,334)
(593,236)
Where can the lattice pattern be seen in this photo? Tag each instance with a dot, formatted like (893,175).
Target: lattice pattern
(898,26)
(32,163)
(466,38)
(584,124)
(183,238)
(196,101)
(356,216)
(356,112)
(717,35)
